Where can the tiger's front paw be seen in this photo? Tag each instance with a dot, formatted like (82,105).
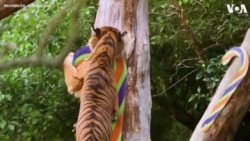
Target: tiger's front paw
(69,59)
(70,90)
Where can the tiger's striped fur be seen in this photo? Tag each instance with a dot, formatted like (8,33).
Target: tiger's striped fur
(99,101)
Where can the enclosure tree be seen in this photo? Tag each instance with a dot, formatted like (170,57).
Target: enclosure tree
(132,16)
(227,123)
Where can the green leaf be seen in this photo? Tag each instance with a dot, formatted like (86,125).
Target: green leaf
(11,127)
(2,123)
(185,1)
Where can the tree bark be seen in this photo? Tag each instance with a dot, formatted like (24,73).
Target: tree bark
(132,16)
(227,123)
(7,7)
(138,104)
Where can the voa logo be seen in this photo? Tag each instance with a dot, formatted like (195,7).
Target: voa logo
(237,8)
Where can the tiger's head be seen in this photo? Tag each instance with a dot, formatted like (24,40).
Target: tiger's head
(98,34)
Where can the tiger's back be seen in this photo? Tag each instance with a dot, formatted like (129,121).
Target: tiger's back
(99,101)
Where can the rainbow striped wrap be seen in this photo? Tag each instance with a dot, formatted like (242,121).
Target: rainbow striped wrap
(120,70)
(234,83)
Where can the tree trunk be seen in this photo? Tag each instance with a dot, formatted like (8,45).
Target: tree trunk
(7,7)
(227,123)
(132,16)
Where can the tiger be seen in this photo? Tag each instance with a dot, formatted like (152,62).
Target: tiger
(93,82)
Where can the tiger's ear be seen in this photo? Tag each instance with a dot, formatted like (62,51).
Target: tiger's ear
(123,34)
(95,31)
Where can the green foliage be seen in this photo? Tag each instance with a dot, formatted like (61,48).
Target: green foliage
(211,72)
(37,100)
(176,72)
(34,102)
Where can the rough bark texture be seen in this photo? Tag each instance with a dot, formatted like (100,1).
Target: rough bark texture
(132,122)
(138,104)
(228,121)
(132,16)
(109,13)
(7,7)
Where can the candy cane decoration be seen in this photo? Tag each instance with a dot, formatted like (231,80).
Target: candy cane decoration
(235,82)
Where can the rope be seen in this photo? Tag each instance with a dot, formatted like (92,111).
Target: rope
(235,82)
(120,70)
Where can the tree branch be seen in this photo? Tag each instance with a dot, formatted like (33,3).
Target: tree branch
(183,19)
(29,60)
(161,14)
(53,23)
(194,42)
(37,58)
(7,7)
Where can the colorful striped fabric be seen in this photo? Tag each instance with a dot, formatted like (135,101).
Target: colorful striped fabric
(235,82)
(120,69)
